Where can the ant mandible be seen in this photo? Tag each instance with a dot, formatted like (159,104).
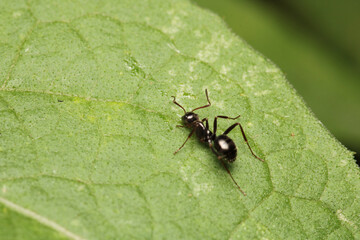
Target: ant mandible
(223,146)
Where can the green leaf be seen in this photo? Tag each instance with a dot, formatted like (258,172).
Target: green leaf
(88,131)
(328,83)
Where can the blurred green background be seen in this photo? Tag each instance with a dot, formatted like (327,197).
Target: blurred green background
(316,44)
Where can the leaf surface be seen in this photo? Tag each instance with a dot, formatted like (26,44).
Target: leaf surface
(88,131)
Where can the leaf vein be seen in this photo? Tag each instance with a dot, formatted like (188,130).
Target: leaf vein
(41,219)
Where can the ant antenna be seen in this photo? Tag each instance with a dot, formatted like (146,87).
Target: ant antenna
(207,105)
(174,101)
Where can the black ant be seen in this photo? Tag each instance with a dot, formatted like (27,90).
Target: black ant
(223,146)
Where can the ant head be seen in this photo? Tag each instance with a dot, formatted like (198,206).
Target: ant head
(189,118)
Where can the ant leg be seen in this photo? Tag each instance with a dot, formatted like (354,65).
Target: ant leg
(244,136)
(227,169)
(180,126)
(207,105)
(232,176)
(185,141)
(225,117)
(206,121)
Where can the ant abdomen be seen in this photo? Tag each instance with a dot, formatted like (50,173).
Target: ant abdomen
(226,148)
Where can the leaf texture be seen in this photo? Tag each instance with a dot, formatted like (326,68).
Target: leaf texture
(87,131)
